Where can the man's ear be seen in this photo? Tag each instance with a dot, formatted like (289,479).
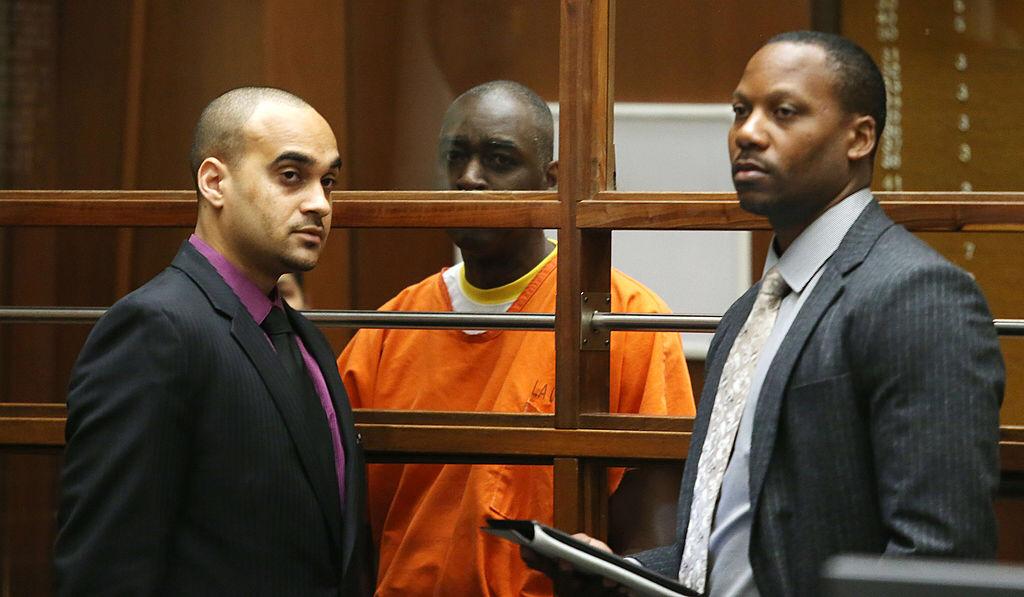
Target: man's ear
(211,180)
(551,174)
(862,133)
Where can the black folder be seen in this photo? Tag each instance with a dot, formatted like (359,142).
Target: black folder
(555,544)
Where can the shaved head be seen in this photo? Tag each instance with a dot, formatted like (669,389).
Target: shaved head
(540,119)
(220,130)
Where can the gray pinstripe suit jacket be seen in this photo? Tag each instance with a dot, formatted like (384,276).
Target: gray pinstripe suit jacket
(877,427)
(190,469)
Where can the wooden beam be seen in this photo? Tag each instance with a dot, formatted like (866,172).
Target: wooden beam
(581,496)
(919,211)
(635,422)
(567,495)
(585,130)
(352,209)
(586,99)
(480,437)
(495,444)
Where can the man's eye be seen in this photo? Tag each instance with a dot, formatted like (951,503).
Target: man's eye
(328,182)
(290,176)
(739,110)
(501,161)
(785,111)
(453,156)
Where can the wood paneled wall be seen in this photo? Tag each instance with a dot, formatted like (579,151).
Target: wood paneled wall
(950,69)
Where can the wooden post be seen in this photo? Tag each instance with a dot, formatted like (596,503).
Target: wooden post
(585,150)
(581,497)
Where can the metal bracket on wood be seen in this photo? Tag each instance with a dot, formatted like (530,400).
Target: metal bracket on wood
(592,338)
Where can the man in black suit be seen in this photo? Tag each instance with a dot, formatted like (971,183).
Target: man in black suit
(852,397)
(210,444)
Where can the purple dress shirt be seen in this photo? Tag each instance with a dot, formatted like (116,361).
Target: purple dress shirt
(258,305)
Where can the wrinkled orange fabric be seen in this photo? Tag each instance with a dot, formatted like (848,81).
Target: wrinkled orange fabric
(426,517)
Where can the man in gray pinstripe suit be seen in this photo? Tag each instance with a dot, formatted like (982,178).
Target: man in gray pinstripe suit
(868,418)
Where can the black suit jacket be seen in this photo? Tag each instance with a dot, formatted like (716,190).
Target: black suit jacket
(877,426)
(189,468)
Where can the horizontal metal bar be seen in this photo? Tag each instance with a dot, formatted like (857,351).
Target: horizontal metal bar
(656,322)
(350,319)
(50,314)
(433,320)
(1009,327)
(641,322)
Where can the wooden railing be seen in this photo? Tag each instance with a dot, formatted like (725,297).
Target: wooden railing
(918,211)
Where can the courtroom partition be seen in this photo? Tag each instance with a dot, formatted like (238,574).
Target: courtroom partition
(581,439)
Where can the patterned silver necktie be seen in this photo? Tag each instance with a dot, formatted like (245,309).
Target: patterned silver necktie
(725,420)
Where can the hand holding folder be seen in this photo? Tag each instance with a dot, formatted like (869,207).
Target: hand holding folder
(556,546)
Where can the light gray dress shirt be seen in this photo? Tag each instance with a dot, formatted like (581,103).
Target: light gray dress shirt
(801,266)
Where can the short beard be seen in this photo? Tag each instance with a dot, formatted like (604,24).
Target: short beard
(300,265)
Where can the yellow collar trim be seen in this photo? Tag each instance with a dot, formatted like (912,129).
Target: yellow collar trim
(507,293)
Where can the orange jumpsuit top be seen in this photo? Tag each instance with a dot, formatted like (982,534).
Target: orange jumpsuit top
(426,517)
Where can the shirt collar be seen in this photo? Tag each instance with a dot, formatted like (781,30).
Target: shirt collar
(818,242)
(255,302)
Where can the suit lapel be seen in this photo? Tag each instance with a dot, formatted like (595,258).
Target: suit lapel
(324,356)
(858,241)
(254,343)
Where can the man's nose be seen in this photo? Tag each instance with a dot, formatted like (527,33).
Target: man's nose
(318,201)
(750,132)
(472,177)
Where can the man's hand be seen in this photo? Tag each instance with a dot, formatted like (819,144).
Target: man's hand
(569,581)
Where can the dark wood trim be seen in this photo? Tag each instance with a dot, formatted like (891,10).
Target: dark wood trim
(352,209)
(919,211)
(635,422)
(502,442)
(446,209)
(568,504)
(479,437)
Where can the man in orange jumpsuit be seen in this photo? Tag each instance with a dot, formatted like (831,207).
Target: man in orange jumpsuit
(426,517)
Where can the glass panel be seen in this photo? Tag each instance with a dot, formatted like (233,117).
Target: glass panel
(426,518)
(642,508)
(950,67)
(1010,514)
(510,270)
(692,52)
(670,147)
(994,261)
(399,92)
(716,270)
(28,509)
